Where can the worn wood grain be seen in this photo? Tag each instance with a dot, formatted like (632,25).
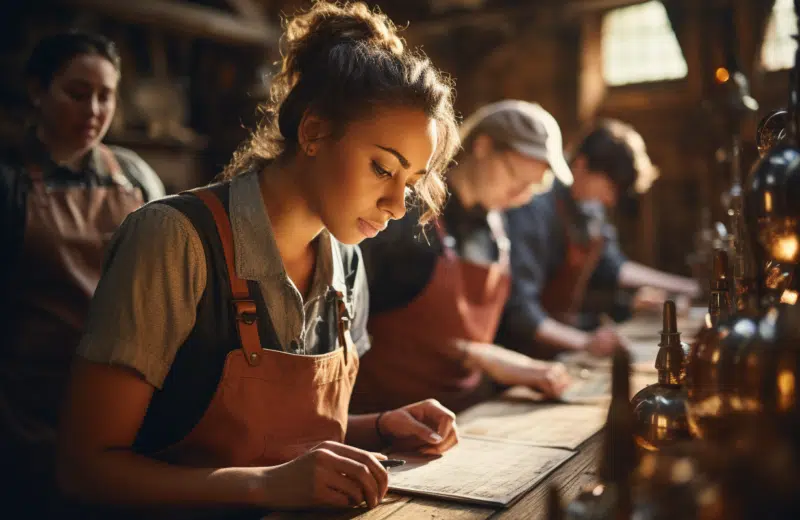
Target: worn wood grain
(424,509)
(571,479)
(391,504)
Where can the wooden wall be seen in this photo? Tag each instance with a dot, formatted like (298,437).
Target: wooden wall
(546,51)
(552,54)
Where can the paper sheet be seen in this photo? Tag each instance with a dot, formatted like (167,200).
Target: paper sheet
(481,471)
(643,357)
(594,387)
(542,424)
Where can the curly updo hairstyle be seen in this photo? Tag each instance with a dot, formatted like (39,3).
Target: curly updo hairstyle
(340,61)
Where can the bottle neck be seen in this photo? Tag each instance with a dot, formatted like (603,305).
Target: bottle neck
(719,306)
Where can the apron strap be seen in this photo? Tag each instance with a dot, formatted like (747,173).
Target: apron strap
(243,304)
(496,225)
(343,325)
(36,176)
(114,169)
(444,238)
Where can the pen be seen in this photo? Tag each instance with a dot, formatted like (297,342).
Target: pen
(392,463)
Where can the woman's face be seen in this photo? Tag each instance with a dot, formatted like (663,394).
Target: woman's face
(506,179)
(360,180)
(77,108)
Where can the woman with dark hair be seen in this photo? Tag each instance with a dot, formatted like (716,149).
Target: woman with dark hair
(224,338)
(62,195)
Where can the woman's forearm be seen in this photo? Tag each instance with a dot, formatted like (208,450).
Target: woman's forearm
(118,477)
(633,274)
(362,432)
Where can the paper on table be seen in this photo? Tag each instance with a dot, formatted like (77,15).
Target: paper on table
(594,386)
(542,424)
(643,357)
(481,471)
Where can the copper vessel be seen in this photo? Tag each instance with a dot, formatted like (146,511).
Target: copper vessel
(659,410)
(711,367)
(771,130)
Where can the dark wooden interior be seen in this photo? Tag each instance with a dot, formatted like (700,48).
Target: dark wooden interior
(205,61)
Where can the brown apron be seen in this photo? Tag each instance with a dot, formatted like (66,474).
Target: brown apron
(66,233)
(270,406)
(563,295)
(413,354)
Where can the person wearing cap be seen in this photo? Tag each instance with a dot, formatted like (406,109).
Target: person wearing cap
(436,294)
(568,269)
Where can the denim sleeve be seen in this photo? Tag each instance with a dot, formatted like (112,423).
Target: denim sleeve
(534,248)
(606,273)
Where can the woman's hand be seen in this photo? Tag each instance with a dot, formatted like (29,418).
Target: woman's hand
(512,368)
(551,379)
(426,427)
(330,475)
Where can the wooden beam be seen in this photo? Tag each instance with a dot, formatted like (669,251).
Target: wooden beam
(545,13)
(574,8)
(248,10)
(188,19)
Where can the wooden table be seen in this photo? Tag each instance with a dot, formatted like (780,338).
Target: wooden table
(575,474)
(572,477)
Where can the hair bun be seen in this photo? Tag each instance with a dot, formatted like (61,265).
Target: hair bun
(312,34)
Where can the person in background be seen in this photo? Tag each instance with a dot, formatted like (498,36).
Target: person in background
(62,195)
(564,246)
(436,296)
(224,383)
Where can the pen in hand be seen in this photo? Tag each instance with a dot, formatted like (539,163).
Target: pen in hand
(392,463)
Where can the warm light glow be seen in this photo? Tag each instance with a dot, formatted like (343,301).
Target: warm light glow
(722,75)
(768,202)
(789,297)
(682,471)
(778,50)
(785,389)
(785,248)
(639,45)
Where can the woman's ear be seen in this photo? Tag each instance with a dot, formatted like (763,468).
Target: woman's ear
(311,130)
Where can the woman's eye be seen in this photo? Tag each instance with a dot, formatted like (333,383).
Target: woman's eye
(380,171)
(77,96)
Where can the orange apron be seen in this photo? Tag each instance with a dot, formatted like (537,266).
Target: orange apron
(270,406)
(413,354)
(66,233)
(563,295)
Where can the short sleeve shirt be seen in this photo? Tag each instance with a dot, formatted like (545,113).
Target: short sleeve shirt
(146,302)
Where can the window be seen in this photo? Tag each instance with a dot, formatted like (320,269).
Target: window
(779,47)
(640,46)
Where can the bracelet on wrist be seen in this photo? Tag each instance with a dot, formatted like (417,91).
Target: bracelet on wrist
(385,440)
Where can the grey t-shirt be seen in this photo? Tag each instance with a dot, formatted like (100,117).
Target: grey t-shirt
(155,275)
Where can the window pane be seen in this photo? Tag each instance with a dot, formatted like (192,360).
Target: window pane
(779,46)
(639,46)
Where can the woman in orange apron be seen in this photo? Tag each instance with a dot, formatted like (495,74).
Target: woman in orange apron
(225,335)
(436,300)
(62,195)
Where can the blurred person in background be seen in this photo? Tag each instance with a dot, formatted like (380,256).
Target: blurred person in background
(62,195)
(436,295)
(564,248)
